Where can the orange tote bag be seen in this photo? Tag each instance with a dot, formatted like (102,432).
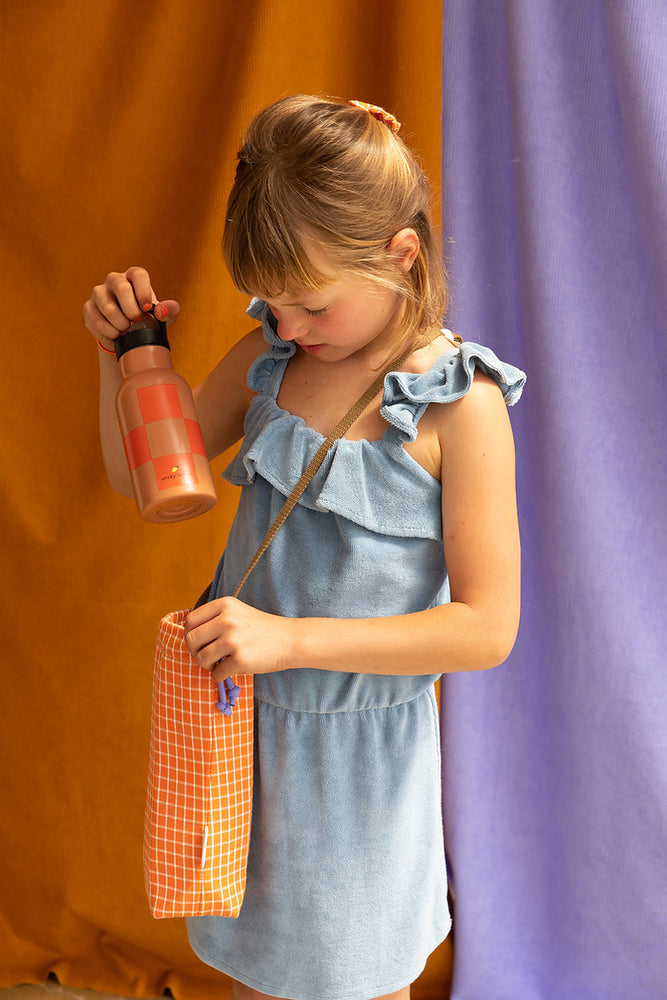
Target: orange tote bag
(199,798)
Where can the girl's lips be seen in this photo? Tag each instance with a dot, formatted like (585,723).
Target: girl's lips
(312,348)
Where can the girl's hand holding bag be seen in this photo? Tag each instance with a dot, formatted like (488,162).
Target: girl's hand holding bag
(199,798)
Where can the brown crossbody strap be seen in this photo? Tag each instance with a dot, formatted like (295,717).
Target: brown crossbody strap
(338,431)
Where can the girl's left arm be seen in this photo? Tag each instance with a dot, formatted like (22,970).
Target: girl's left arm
(481,543)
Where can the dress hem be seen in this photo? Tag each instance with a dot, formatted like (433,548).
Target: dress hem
(360,994)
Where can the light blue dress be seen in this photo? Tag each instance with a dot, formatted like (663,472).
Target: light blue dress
(346,894)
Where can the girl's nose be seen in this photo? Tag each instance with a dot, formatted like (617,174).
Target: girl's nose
(289,327)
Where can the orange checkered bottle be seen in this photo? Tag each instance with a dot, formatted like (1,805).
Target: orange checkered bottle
(163,444)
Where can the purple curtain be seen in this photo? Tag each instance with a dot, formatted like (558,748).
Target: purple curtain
(555,782)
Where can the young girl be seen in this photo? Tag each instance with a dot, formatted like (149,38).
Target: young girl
(399,563)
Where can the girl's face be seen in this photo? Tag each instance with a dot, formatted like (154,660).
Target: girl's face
(343,318)
(349,315)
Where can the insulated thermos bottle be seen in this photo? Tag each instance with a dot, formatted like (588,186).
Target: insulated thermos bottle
(163,444)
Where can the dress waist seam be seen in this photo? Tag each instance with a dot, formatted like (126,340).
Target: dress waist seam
(356,710)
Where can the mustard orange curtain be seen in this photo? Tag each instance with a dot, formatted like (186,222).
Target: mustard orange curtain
(120,123)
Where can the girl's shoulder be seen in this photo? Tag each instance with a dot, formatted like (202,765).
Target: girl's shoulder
(461,398)
(449,379)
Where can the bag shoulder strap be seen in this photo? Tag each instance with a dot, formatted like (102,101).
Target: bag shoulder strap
(338,431)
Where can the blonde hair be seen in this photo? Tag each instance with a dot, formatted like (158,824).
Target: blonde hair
(318,170)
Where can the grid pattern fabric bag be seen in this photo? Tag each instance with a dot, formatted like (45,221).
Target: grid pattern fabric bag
(199,798)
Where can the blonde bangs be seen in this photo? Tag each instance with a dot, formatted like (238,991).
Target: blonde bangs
(266,255)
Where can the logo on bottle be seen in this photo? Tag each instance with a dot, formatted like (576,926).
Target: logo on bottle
(175,470)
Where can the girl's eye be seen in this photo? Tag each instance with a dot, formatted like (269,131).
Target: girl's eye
(315,312)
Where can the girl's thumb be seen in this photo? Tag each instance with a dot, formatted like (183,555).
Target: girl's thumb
(167,310)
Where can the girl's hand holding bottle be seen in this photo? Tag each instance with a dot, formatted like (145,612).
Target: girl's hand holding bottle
(165,453)
(119,301)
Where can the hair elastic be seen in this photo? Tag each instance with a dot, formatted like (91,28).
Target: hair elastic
(377,112)
(243,162)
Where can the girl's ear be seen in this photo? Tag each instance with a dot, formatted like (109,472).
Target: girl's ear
(403,248)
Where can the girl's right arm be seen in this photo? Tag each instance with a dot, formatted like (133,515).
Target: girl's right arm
(221,400)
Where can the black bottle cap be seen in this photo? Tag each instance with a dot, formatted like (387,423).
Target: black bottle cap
(146,332)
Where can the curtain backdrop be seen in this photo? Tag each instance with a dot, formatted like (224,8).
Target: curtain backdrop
(120,121)
(555,198)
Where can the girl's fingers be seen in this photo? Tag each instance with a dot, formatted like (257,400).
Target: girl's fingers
(104,319)
(221,669)
(121,299)
(106,306)
(206,645)
(143,295)
(131,292)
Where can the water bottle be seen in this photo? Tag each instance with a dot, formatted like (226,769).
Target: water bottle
(165,452)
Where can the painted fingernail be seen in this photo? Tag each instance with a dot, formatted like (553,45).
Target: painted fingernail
(161,311)
(147,306)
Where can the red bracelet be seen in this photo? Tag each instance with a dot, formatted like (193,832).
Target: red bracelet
(105,349)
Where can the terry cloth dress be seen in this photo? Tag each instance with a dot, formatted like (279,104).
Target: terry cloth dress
(346,891)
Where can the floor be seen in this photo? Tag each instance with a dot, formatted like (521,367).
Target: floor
(51,991)
(441,967)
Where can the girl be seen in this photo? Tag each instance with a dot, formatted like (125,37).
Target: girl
(399,563)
